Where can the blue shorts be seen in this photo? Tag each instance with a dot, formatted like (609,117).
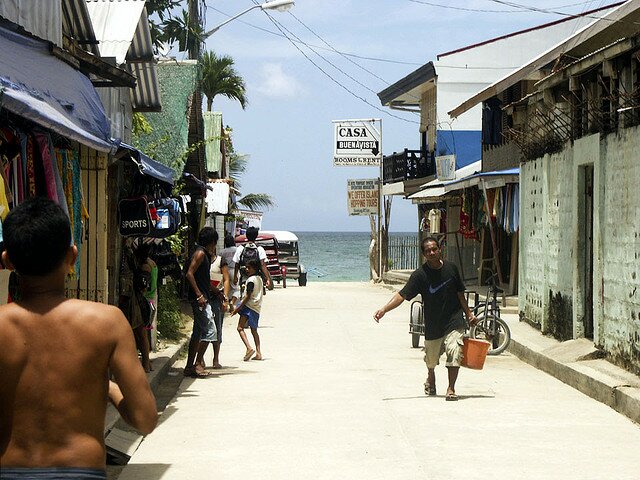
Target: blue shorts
(252,317)
(204,327)
(53,473)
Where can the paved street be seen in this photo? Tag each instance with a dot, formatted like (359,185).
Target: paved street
(339,396)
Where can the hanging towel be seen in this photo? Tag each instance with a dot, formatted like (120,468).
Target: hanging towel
(218,198)
(47,163)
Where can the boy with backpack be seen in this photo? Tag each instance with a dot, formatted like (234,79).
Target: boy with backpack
(246,253)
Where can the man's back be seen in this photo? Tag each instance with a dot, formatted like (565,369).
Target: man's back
(54,358)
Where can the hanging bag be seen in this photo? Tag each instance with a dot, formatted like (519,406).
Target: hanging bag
(168,212)
(133,217)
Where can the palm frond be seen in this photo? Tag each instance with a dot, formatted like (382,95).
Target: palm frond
(255,201)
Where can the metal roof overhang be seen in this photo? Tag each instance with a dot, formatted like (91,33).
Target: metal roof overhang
(490,179)
(146,165)
(435,189)
(77,24)
(123,31)
(36,85)
(619,23)
(407,91)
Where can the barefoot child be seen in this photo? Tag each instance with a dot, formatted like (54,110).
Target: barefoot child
(249,310)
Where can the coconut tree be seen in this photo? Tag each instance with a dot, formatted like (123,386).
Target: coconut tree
(219,77)
(186,31)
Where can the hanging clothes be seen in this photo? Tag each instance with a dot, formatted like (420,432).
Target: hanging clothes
(4,204)
(516,208)
(434,220)
(42,140)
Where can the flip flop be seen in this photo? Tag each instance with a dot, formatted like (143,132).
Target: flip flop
(248,355)
(193,374)
(429,390)
(451,397)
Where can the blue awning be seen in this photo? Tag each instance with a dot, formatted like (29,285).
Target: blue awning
(36,85)
(148,166)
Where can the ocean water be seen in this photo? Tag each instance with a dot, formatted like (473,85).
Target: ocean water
(335,256)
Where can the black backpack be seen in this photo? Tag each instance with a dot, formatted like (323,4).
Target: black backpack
(249,252)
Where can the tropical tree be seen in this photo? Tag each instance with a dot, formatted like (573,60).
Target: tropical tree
(159,11)
(219,77)
(237,168)
(185,31)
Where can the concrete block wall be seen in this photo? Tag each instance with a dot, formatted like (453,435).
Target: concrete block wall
(621,248)
(549,261)
(532,244)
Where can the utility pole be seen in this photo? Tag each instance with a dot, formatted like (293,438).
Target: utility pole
(195,46)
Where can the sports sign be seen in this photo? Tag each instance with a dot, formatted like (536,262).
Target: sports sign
(363,196)
(356,143)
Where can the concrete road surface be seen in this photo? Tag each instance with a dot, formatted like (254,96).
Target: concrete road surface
(341,397)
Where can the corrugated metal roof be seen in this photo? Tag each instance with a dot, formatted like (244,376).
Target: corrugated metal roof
(77,24)
(213,137)
(115,25)
(39,18)
(123,30)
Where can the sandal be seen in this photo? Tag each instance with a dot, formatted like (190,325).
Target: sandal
(451,397)
(429,390)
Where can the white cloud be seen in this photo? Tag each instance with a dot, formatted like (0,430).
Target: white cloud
(275,82)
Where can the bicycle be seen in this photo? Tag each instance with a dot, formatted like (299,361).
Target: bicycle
(490,326)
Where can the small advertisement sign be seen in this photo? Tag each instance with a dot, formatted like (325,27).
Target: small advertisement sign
(363,196)
(356,143)
(446,167)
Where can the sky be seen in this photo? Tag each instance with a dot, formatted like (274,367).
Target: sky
(287,130)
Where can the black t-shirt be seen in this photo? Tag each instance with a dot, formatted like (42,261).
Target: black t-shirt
(201,275)
(439,289)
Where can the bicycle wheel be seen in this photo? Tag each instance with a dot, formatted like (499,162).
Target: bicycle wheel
(494,330)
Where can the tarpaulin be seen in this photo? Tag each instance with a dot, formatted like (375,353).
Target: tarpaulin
(38,86)
(148,166)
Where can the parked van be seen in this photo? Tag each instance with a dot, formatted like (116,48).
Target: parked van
(288,255)
(269,242)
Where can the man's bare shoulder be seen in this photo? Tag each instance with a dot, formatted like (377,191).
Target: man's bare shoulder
(106,315)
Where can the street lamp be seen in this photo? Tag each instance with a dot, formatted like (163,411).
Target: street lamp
(280,5)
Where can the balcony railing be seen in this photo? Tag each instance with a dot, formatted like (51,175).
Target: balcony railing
(407,165)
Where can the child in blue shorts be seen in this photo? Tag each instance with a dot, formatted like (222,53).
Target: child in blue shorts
(249,310)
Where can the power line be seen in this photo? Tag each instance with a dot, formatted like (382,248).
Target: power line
(364,100)
(485,10)
(271,32)
(336,51)
(556,12)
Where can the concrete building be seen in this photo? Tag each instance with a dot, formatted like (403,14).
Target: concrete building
(433,90)
(575,123)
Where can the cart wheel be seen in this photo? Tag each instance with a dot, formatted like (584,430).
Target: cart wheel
(415,340)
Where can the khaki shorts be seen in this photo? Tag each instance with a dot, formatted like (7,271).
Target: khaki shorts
(451,344)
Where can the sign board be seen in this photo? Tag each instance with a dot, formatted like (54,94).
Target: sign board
(356,143)
(246,219)
(446,167)
(363,196)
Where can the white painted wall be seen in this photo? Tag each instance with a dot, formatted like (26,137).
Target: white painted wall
(550,247)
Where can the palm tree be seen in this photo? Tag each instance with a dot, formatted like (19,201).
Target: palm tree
(237,167)
(219,77)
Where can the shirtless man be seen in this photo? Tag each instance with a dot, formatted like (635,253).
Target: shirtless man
(55,357)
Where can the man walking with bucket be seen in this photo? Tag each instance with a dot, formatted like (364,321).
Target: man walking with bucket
(438,282)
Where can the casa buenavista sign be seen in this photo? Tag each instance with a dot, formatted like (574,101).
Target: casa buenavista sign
(356,143)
